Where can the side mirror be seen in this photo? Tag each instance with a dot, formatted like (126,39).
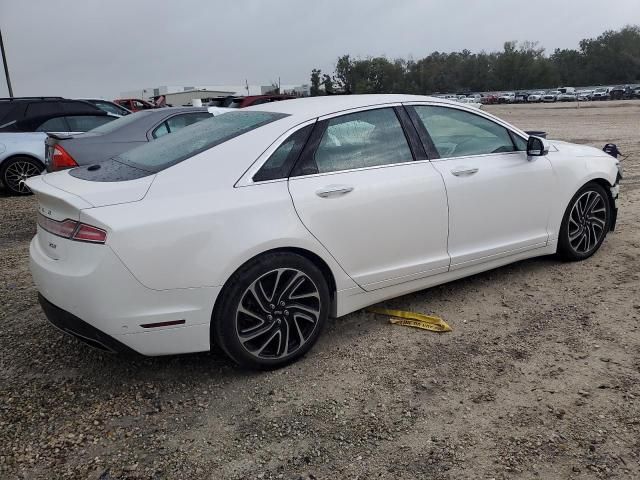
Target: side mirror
(537,147)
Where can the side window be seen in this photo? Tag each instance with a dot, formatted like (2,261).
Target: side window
(160,130)
(56,124)
(84,123)
(180,121)
(282,160)
(358,140)
(457,133)
(110,108)
(35,109)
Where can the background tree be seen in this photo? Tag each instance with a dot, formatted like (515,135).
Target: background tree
(613,57)
(315,82)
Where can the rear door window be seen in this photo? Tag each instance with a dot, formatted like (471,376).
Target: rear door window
(359,140)
(160,131)
(57,124)
(84,123)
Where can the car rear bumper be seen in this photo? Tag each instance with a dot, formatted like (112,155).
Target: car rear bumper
(99,301)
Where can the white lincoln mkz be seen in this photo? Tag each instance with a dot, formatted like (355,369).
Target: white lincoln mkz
(250,228)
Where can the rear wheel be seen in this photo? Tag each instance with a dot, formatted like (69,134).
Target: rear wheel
(585,223)
(16,171)
(272,311)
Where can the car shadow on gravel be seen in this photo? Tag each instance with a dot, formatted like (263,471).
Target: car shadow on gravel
(86,361)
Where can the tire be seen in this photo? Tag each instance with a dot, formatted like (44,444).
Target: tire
(15,171)
(582,232)
(261,330)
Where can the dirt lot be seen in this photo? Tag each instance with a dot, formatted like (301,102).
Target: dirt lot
(540,377)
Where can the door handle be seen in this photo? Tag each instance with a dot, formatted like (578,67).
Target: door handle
(333,191)
(464,172)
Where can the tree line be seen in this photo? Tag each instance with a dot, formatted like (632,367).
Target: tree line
(611,58)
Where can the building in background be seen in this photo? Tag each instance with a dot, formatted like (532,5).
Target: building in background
(180,95)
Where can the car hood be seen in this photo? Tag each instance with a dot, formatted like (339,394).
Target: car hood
(577,150)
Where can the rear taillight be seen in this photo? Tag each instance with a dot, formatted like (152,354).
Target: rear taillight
(61,159)
(73,230)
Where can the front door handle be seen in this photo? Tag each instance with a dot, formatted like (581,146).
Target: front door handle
(464,172)
(334,191)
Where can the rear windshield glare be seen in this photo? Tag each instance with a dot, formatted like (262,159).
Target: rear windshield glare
(176,147)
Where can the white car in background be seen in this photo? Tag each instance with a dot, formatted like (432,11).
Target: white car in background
(535,97)
(250,228)
(600,93)
(550,96)
(585,95)
(507,97)
(566,97)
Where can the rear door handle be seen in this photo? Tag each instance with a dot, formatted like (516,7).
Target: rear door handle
(334,191)
(464,172)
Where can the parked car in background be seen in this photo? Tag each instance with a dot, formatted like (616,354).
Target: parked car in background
(566,97)
(507,97)
(19,108)
(107,141)
(550,96)
(489,99)
(616,93)
(584,95)
(635,92)
(535,97)
(134,104)
(248,101)
(600,93)
(249,229)
(521,97)
(22,149)
(108,106)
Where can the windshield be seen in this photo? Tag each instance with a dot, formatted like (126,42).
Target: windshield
(171,149)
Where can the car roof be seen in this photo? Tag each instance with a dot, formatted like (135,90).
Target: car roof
(311,107)
(31,123)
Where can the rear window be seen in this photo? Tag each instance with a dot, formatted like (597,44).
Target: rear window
(171,149)
(119,123)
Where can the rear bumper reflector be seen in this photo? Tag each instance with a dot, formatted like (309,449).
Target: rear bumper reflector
(169,323)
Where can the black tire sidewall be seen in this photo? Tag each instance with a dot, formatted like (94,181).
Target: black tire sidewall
(223,329)
(565,250)
(5,166)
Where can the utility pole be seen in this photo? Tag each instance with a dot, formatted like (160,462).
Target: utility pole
(6,67)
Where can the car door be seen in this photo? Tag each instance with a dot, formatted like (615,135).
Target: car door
(499,200)
(358,190)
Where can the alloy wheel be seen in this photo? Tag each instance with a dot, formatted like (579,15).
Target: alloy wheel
(17,173)
(587,222)
(278,314)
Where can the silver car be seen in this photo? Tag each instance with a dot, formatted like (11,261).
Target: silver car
(107,141)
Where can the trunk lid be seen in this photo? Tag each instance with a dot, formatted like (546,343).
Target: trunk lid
(97,194)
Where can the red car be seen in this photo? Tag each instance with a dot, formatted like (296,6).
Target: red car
(134,104)
(248,101)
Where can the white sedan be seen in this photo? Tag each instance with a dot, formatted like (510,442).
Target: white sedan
(249,229)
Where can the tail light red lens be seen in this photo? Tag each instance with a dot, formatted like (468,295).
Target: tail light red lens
(61,159)
(72,230)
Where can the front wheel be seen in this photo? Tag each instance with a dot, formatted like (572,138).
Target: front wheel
(16,171)
(272,311)
(585,223)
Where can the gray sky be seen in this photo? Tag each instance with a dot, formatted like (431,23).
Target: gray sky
(100,48)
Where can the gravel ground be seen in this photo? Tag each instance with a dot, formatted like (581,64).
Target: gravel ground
(540,377)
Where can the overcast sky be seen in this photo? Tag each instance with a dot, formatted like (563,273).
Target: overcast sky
(99,48)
